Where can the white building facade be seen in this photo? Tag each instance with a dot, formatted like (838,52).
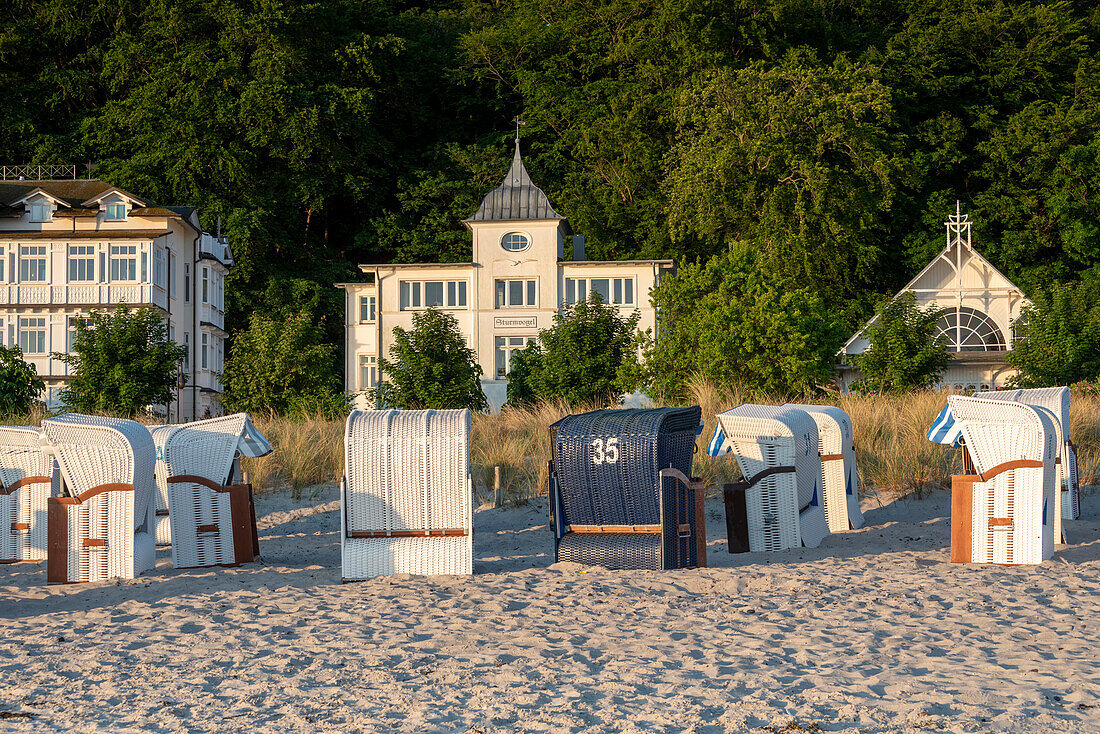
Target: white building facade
(70,246)
(517,280)
(982,307)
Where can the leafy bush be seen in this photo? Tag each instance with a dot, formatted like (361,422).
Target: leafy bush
(20,384)
(739,325)
(279,365)
(1058,336)
(431,367)
(906,352)
(122,362)
(589,356)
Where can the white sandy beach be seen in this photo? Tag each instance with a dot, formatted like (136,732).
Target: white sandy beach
(872,632)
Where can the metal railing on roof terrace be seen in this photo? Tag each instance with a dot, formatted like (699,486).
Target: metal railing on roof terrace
(36,172)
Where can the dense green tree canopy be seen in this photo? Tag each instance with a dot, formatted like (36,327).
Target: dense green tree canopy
(831,136)
(122,362)
(588,357)
(20,385)
(1059,335)
(279,364)
(906,350)
(741,325)
(430,366)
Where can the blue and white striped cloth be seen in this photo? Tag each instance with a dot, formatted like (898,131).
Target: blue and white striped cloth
(945,429)
(718,445)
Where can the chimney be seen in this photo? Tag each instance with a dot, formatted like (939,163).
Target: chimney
(578,247)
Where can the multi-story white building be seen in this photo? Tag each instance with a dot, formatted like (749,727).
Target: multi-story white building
(70,246)
(517,279)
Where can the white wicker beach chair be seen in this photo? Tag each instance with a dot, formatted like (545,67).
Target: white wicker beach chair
(839,476)
(1056,400)
(26,480)
(102,526)
(163,522)
(405,500)
(777,450)
(1004,513)
(211,519)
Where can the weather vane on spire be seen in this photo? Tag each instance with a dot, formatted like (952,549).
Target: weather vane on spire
(518,122)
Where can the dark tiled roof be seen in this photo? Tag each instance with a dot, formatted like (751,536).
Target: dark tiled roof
(74,193)
(516,198)
(183,211)
(153,211)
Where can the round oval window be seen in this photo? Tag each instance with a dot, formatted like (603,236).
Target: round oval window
(514,242)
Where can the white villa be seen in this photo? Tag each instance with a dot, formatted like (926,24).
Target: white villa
(517,279)
(982,306)
(70,246)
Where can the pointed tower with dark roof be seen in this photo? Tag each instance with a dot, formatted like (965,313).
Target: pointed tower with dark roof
(516,221)
(516,199)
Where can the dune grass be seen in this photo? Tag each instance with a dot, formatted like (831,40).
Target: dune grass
(893,455)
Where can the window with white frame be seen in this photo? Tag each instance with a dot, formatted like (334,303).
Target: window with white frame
(123,262)
(187,282)
(203,352)
(32,263)
(81,263)
(506,346)
(516,293)
(116,211)
(368,310)
(428,293)
(617,291)
(2,332)
(32,335)
(205,284)
(515,242)
(368,371)
(187,350)
(70,330)
(41,212)
(171,275)
(3,259)
(158,266)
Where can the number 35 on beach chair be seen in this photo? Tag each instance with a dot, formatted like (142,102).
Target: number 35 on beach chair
(621,495)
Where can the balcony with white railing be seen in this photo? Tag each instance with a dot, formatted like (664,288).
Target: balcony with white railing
(208,314)
(82,294)
(217,248)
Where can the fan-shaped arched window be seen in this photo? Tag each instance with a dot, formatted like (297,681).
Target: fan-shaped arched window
(970,330)
(515,241)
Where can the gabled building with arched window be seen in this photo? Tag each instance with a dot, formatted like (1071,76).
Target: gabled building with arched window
(982,308)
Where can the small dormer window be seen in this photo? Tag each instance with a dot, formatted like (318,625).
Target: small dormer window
(515,241)
(116,211)
(41,212)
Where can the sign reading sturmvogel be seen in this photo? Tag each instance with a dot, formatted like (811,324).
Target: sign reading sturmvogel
(523,322)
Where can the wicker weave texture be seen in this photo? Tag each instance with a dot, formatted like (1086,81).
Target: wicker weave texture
(21,456)
(1013,513)
(206,449)
(768,436)
(607,465)
(407,471)
(92,451)
(1057,401)
(612,550)
(840,478)
(163,530)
